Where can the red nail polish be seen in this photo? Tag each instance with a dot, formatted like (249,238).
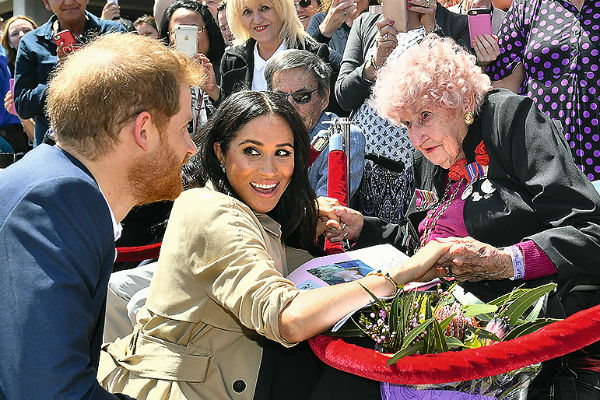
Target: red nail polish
(408,6)
(391,22)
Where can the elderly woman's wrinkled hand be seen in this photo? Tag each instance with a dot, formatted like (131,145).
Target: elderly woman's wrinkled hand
(427,9)
(486,49)
(470,260)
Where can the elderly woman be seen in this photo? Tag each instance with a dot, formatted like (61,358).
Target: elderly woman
(494,177)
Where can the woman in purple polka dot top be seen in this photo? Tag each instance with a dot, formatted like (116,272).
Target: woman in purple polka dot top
(550,49)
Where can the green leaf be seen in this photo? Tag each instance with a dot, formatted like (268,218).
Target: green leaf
(536,311)
(505,298)
(453,342)
(476,309)
(528,327)
(444,324)
(376,299)
(403,353)
(523,302)
(412,335)
(438,335)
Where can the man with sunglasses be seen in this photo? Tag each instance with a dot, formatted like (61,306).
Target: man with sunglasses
(304,79)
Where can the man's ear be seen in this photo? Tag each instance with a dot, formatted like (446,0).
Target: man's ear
(219,153)
(325,99)
(47,5)
(142,129)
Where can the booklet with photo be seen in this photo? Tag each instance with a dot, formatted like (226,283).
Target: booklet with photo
(348,267)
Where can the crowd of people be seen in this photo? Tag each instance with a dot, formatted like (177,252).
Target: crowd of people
(474,156)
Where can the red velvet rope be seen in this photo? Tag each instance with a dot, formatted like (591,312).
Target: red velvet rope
(337,176)
(552,341)
(138,253)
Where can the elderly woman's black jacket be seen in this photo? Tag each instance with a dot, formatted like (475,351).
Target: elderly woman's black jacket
(540,195)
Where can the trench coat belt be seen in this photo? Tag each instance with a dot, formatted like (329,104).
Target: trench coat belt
(150,357)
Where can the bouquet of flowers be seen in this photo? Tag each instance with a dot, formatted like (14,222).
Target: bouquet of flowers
(435,321)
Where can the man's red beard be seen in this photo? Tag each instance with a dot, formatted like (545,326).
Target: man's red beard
(156,177)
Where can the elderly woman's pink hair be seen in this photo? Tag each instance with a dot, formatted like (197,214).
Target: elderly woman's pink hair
(437,72)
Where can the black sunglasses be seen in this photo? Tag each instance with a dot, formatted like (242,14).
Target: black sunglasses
(302,96)
(304,3)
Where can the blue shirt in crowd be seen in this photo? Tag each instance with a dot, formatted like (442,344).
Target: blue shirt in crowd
(36,59)
(317,173)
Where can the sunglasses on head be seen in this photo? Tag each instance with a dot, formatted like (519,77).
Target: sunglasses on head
(302,96)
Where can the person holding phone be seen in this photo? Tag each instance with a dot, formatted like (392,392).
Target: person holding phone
(38,56)
(386,187)
(549,51)
(209,48)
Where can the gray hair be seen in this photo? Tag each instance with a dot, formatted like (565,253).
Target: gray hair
(292,59)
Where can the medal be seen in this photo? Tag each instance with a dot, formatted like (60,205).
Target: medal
(487,187)
(476,196)
(467,192)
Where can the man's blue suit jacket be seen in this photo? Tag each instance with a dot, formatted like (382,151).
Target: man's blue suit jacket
(56,255)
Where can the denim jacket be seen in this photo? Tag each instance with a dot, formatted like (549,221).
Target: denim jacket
(36,59)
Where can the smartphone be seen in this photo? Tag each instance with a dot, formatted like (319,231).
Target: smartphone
(186,39)
(404,19)
(65,38)
(480,22)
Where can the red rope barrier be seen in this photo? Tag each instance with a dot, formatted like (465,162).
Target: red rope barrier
(138,253)
(552,341)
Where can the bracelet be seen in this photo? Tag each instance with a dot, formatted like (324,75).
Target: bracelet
(387,276)
(375,67)
(518,262)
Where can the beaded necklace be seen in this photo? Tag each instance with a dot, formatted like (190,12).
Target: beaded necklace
(435,214)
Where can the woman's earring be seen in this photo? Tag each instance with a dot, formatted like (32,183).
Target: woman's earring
(469,118)
(223,168)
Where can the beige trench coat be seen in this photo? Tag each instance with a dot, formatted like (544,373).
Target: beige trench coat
(217,290)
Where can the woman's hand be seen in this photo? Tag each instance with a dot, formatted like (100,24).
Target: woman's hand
(339,11)
(110,11)
(421,266)
(427,9)
(486,48)
(345,223)
(210,85)
(9,103)
(470,260)
(386,40)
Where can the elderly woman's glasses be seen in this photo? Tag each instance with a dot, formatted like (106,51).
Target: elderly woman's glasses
(200,30)
(302,96)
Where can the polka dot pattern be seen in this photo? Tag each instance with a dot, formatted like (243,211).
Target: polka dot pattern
(558,46)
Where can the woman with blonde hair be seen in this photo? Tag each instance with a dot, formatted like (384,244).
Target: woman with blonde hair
(262,29)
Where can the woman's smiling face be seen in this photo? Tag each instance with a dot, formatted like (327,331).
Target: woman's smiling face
(262,23)
(259,161)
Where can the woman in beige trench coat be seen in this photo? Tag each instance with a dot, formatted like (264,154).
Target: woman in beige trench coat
(219,287)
